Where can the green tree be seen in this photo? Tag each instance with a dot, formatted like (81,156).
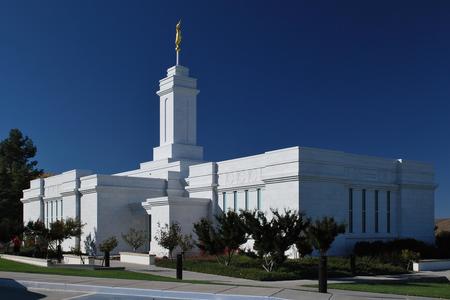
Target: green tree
(304,246)
(106,247)
(443,243)
(186,243)
(16,170)
(168,236)
(53,235)
(322,233)
(208,238)
(134,238)
(36,232)
(273,238)
(61,230)
(224,239)
(232,232)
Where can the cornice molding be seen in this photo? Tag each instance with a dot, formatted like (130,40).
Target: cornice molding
(47,199)
(31,199)
(291,178)
(238,187)
(108,188)
(175,201)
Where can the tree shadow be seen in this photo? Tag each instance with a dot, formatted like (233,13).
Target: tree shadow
(11,289)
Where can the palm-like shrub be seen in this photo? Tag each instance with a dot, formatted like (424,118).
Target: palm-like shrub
(53,235)
(322,233)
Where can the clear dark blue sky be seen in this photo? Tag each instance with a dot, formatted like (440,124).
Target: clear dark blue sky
(369,77)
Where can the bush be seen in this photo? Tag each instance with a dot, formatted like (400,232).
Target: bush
(443,243)
(109,244)
(134,238)
(305,268)
(391,251)
(223,239)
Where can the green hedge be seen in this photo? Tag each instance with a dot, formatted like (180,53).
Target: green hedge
(307,268)
(389,251)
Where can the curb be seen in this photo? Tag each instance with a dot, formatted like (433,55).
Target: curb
(155,294)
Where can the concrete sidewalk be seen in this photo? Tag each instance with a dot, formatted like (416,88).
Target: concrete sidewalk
(88,286)
(289,284)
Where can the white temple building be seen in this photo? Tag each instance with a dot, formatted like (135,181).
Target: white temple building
(377,198)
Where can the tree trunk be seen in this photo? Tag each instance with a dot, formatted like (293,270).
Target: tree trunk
(323,274)
(353,264)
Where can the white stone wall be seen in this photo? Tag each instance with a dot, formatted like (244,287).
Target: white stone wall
(111,205)
(317,182)
(31,211)
(182,210)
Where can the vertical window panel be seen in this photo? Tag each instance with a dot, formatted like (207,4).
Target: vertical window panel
(350,210)
(46,214)
(388,212)
(376,211)
(224,201)
(258,199)
(235,204)
(363,212)
(246,199)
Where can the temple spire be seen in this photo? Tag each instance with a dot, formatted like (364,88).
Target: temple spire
(178,40)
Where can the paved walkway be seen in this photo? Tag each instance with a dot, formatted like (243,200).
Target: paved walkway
(291,284)
(37,286)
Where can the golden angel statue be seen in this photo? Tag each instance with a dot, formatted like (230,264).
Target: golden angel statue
(178,37)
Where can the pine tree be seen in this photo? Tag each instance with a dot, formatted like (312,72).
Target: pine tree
(17,168)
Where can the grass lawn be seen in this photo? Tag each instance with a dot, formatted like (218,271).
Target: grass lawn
(437,290)
(12,266)
(307,268)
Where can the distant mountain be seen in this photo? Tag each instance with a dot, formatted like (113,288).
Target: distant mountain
(442,225)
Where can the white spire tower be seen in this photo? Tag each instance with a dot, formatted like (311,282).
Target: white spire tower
(178,113)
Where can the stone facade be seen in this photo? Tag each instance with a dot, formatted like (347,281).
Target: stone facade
(377,198)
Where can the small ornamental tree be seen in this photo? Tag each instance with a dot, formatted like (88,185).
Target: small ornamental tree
(61,230)
(288,227)
(107,246)
(37,232)
(273,238)
(262,232)
(304,246)
(134,238)
(186,243)
(168,236)
(224,239)
(53,235)
(232,233)
(208,238)
(322,234)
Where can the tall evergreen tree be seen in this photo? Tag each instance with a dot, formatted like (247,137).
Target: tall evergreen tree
(17,168)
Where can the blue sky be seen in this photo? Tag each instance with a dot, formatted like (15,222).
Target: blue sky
(369,77)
